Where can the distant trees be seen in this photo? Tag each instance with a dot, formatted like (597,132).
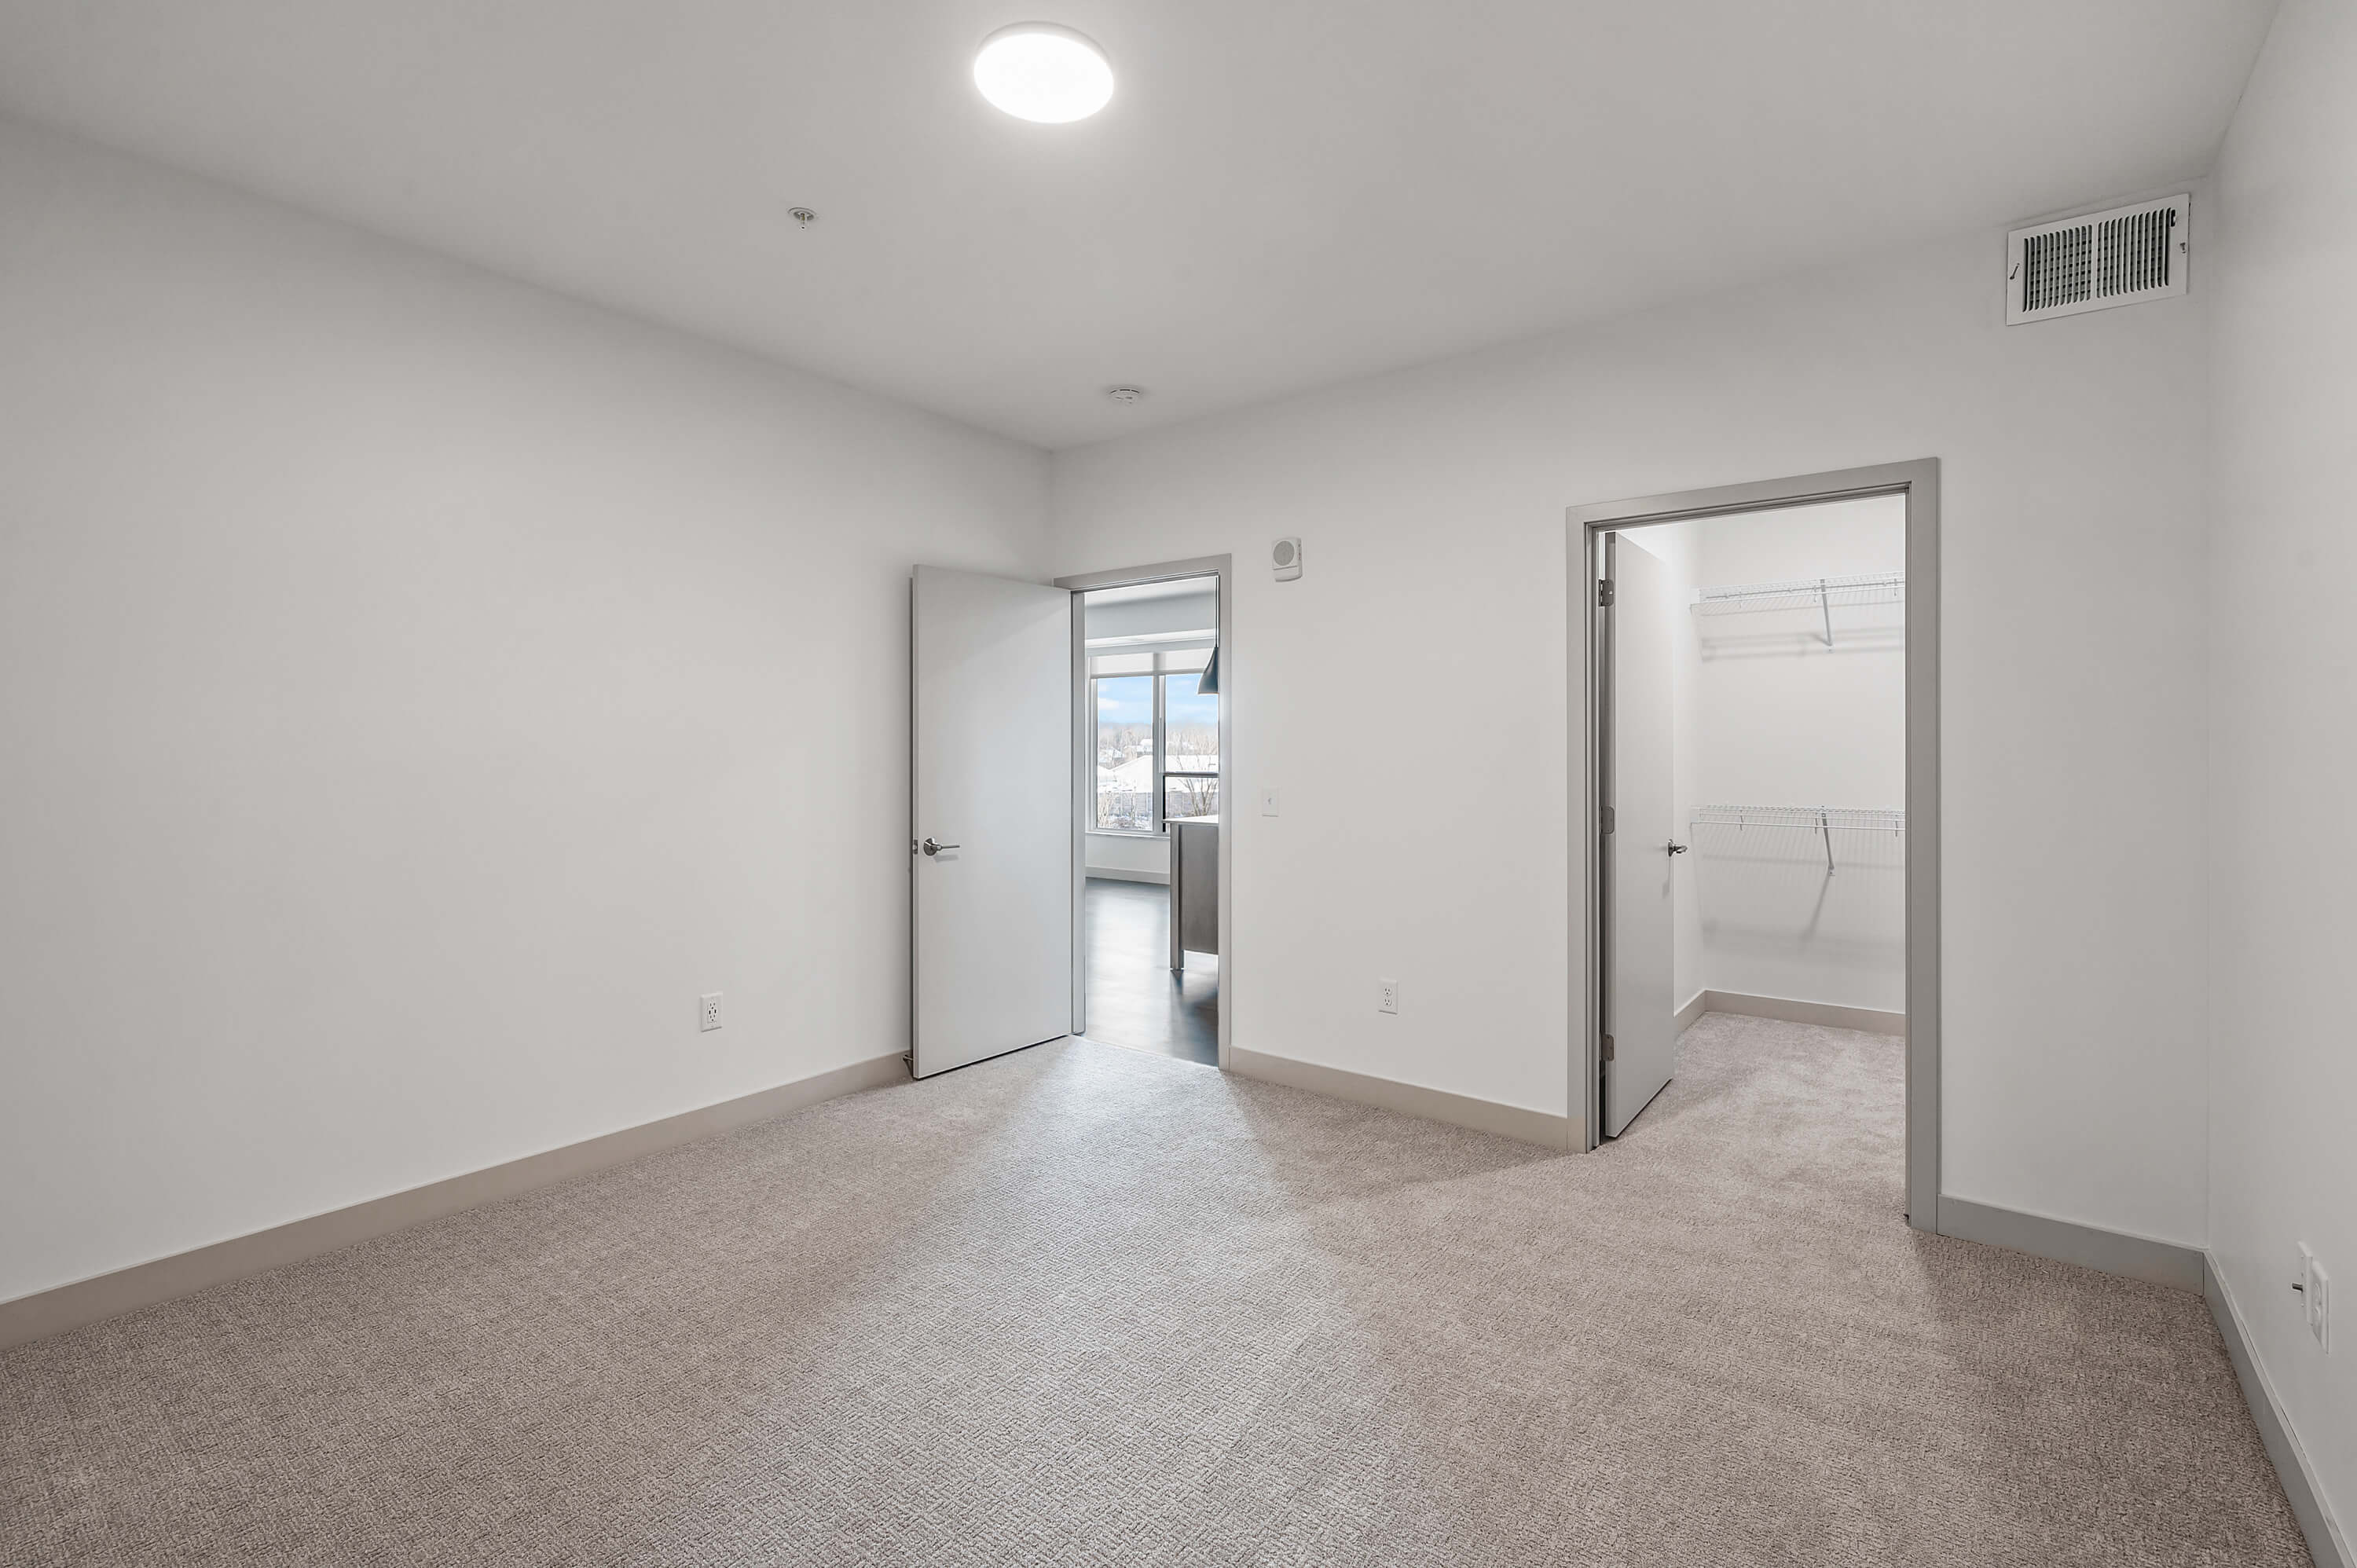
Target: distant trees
(1190,797)
(1194,741)
(1193,749)
(1116,744)
(1128,772)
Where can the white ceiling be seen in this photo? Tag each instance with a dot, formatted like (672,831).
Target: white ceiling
(1282,193)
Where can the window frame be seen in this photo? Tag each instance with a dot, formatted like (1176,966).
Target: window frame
(1097,749)
(1161,753)
(1163,772)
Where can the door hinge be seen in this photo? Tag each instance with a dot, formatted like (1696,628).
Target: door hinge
(1604,592)
(1608,1048)
(1607,818)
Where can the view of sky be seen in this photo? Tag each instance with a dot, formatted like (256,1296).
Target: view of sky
(1128,775)
(1129,700)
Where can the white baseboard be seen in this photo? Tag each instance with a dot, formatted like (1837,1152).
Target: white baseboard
(1122,873)
(111,1295)
(1826,1015)
(2134,1257)
(1543,1128)
(2326,1541)
(67,1307)
(2185,1267)
(1696,1005)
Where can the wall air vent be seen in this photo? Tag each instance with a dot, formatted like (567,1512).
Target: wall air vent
(2122,256)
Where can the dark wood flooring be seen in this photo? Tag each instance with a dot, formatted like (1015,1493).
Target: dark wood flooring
(1132,998)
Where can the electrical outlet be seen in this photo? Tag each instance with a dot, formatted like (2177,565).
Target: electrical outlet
(1268,802)
(708,1010)
(2319,1305)
(1387,1001)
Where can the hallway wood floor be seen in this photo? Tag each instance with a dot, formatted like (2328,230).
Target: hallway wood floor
(1134,1000)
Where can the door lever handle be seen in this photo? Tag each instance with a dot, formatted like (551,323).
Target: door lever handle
(931,847)
(1677,849)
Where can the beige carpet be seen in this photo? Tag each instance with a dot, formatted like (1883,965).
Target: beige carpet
(1089,1307)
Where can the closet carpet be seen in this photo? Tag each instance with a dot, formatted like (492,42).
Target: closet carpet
(1082,1306)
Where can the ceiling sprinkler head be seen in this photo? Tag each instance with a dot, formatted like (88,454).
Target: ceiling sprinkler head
(801,215)
(1125,395)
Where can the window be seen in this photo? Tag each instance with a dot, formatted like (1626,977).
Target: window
(1124,749)
(1190,748)
(1157,739)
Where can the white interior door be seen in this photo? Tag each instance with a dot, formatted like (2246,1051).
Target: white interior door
(1641,930)
(990,826)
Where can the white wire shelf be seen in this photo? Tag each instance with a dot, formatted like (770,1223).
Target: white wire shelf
(1801,594)
(1819,594)
(1850,817)
(1824,821)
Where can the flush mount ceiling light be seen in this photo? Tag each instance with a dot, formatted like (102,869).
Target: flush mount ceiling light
(1037,70)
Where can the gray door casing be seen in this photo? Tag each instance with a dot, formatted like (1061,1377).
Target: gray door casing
(1919,483)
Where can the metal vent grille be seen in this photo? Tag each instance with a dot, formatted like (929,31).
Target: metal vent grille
(2097,260)
(2054,267)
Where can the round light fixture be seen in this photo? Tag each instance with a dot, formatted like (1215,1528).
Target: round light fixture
(1037,70)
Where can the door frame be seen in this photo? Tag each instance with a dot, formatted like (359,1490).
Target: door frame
(1917,484)
(1222,568)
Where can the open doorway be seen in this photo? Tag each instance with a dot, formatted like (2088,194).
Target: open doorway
(1761,809)
(1150,852)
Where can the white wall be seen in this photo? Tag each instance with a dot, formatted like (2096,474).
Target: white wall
(1776,717)
(1436,607)
(1131,858)
(417,690)
(1151,617)
(2283,1073)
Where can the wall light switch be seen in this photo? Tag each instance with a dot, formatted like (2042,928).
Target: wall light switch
(1268,802)
(708,1011)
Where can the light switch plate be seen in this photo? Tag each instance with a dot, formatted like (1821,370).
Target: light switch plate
(1268,802)
(2319,1305)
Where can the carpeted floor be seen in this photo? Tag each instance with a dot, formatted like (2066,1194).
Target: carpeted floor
(1083,1305)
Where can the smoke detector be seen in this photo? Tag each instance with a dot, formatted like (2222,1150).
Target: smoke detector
(1125,395)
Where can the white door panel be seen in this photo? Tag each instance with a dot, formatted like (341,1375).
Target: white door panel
(991,783)
(1641,930)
